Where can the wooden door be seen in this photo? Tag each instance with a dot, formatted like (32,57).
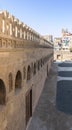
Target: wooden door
(28,105)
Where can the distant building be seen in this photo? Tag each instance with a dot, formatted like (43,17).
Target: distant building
(65,32)
(48,38)
(57,43)
(64,42)
(66,39)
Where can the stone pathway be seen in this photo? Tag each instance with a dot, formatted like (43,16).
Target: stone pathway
(46,115)
(64,88)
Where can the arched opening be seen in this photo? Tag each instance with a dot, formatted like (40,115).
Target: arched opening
(34,68)
(24,73)
(18,80)
(10,82)
(2,93)
(28,73)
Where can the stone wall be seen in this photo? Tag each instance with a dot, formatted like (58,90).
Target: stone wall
(24,65)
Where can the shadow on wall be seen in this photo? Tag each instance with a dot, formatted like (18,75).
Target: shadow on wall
(64,96)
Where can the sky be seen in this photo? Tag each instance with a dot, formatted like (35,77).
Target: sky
(47,17)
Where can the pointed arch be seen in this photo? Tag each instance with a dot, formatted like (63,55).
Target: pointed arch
(2,93)
(18,80)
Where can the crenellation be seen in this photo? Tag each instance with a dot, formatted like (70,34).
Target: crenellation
(11,26)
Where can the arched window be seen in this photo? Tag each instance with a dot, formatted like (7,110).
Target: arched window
(18,80)
(34,68)
(2,93)
(24,73)
(10,82)
(28,73)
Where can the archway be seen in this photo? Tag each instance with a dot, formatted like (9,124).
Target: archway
(2,93)
(18,80)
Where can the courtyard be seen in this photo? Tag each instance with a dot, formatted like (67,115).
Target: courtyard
(54,109)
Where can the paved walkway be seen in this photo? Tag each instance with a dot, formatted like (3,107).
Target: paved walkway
(46,115)
(64,89)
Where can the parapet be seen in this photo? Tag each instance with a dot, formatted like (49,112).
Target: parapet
(14,28)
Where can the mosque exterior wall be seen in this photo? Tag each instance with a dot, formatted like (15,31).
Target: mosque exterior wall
(25,61)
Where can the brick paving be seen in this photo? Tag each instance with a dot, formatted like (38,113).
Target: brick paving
(46,115)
